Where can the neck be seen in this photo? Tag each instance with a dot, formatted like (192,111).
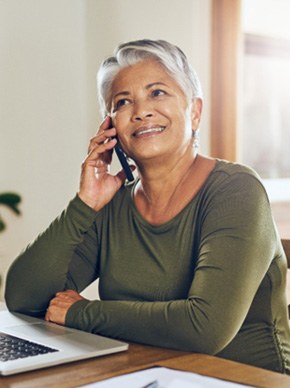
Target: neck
(162,191)
(157,177)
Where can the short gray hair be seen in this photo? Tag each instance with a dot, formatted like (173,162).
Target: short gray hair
(168,55)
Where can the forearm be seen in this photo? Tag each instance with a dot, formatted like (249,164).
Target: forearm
(180,324)
(42,269)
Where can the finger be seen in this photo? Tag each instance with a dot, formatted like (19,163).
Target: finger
(59,296)
(55,302)
(105,131)
(106,123)
(56,315)
(67,296)
(62,304)
(70,296)
(46,317)
(67,292)
(101,137)
(101,153)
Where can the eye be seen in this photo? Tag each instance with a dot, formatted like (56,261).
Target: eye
(158,92)
(120,103)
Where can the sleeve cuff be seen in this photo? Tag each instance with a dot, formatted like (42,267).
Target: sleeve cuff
(75,317)
(82,214)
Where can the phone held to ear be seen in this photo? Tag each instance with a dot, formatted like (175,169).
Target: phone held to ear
(123,159)
(124,163)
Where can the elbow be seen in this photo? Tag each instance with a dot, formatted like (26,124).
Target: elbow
(211,347)
(197,336)
(16,302)
(206,333)
(206,344)
(9,298)
(14,307)
(13,303)
(11,293)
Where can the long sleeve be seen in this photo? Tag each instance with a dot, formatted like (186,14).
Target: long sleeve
(62,257)
(236,244)
(211,280)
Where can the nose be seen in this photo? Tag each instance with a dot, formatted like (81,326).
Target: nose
(142,111)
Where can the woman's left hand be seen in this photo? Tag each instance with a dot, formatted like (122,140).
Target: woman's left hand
(59,305)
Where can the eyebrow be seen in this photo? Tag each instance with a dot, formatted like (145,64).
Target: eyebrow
(147,87)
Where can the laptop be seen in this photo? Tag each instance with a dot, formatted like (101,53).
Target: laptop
(28,343)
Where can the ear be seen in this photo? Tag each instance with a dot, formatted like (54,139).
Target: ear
(196,111)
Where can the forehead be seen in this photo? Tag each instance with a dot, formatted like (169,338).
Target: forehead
(142,73)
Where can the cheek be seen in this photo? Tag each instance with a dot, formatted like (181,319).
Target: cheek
(121,124)
(118,123)
(181,117)
(121,118)
(182,121)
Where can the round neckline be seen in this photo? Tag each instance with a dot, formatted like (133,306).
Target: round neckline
(164,226)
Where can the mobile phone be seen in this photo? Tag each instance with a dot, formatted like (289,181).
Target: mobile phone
(124,163)
(123,158)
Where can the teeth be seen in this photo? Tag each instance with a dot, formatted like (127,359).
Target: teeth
(150,130)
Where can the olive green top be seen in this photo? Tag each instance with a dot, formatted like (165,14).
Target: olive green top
(211,280)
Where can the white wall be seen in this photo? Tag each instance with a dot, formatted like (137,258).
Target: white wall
(272,21)
(50,51)
(183,22)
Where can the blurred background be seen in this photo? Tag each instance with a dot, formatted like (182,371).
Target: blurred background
(50,51)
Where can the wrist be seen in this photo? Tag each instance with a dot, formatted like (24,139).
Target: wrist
(89,201)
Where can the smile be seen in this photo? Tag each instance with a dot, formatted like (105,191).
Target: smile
(144,131)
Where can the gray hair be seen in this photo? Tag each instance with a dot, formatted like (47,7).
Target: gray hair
(168,55)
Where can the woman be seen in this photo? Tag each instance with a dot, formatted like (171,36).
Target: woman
(187,256)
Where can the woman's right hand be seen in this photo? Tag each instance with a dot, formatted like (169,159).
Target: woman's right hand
(97,185)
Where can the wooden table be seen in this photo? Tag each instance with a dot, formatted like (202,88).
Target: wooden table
(140,357)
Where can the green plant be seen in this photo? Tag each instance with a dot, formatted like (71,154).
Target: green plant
(11,200)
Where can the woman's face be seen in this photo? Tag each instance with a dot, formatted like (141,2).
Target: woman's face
(151,113)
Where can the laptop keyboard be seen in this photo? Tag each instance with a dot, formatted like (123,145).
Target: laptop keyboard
(12,348)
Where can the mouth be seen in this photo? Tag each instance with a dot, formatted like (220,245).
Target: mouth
(148,131)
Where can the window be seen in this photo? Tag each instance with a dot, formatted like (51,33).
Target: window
(250,83)
(265,116)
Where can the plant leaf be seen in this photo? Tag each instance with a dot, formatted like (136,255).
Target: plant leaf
(2,225)
(10,200)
